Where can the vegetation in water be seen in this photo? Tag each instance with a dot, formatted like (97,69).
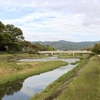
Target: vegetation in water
(74,63)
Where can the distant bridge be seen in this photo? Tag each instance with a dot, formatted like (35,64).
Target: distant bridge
(68,52)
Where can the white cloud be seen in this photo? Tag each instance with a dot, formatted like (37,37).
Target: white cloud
(52,17)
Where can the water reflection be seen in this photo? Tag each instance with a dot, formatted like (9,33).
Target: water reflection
(10,89)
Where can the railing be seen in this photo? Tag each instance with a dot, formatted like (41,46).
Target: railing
(73,51)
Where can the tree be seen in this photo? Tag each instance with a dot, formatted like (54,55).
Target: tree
(49,48)
(16,33)
(96,48)
(2,27)
(88,49)
(11,38)
(16,37)
(2,38)
(39,46)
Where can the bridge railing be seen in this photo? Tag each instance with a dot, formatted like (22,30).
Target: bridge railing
(74,51)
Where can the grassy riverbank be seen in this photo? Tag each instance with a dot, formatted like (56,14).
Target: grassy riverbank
(81,83)
(11,70)
(69,55)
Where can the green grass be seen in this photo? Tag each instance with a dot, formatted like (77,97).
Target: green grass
(87,85)
(74,63)
(14,71)
(10,70)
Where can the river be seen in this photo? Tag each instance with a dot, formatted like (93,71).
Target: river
(24,89)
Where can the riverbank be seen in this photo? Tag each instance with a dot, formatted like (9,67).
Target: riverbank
(81,83)
(10,70)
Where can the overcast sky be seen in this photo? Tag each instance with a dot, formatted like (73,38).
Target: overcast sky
(53,20)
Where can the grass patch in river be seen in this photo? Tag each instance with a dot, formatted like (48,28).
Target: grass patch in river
(74,63)
(11,71)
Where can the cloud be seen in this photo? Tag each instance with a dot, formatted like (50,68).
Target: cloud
(79,6)
(51,17)
(89,8)
(52,23)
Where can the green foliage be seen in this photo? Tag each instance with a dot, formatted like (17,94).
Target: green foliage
(11,38)
(44,47)
(49,48)
(88,49)
(2,27)
(96,48)
(74,63)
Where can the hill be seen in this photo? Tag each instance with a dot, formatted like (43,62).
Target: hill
(68,45)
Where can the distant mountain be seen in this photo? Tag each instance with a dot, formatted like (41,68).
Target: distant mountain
(68,45)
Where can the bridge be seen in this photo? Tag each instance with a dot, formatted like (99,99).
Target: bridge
(68,52)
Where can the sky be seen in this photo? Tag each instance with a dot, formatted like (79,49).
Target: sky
(53,20)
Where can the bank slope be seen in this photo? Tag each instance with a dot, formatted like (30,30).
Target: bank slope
(87,85)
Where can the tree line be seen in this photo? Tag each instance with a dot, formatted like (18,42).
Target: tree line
(95,48)
(12,40)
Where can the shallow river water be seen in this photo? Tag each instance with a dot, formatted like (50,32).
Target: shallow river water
(24,89)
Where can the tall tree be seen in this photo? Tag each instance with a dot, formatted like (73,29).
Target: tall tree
(16,37)
(11,37)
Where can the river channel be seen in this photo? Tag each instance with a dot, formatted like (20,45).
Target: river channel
(24,89)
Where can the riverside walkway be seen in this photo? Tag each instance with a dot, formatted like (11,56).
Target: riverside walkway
(68,52)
